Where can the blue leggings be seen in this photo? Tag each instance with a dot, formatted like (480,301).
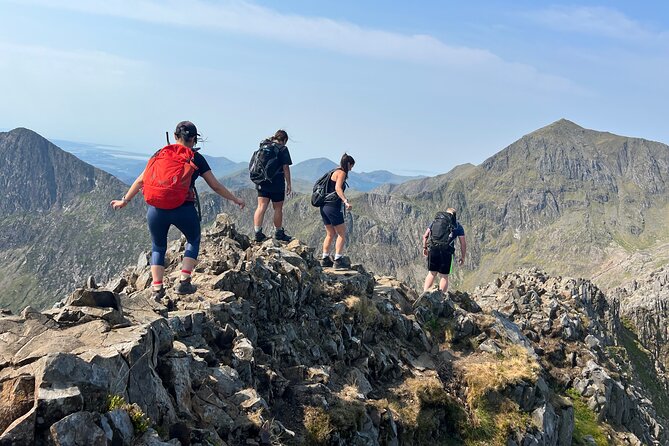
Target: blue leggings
(184,218)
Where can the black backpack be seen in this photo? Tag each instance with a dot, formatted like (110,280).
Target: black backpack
(320,194)
(264,164)
(442,231)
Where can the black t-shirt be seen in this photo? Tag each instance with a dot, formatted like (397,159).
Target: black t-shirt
(279,180)
(202,168)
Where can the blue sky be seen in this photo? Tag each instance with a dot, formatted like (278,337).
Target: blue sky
(412,87)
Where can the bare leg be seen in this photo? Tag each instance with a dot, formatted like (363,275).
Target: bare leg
(260,211)
(188,264)
(157,273)
(278,214)
(429,280)
(443,282)
(329,236)
(341,238)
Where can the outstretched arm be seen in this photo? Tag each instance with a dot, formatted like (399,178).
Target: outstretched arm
(134,190)
(221,190)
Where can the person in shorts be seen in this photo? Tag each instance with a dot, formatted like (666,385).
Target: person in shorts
(332,215)
(274,191)
(440,258)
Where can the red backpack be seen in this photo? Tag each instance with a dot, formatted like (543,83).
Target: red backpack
(168,175)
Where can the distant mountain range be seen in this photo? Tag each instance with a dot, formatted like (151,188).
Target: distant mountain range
(570,200)
(126,166)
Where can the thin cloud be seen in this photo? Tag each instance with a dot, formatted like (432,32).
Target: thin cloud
(600,21)
(81,63)
(245,18)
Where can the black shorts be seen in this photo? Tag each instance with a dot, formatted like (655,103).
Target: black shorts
(332,215)
(440,260)
(274,193)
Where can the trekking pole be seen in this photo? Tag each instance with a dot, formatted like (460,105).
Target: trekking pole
(167,137)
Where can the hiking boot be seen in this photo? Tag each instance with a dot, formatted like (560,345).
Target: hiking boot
(281,235)
(260,237)
(185,287)
(157,294)
(342,263)
(326,262)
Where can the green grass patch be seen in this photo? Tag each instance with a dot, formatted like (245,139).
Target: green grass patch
(585,423)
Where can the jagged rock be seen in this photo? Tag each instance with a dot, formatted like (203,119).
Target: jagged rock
(54,403)
(269,334)
(151,438)
(120,430)
(94,298)
(78,429)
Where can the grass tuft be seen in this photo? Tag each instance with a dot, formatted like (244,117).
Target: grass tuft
(140,421)
(494,374)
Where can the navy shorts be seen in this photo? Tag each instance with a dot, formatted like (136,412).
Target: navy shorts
(332,215)
(440,260)
(274,193)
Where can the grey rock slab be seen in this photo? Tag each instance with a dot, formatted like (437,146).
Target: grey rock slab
(121,426)
(78,429)
(94,298)
(56,403)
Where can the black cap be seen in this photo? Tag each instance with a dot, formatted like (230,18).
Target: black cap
(186,130)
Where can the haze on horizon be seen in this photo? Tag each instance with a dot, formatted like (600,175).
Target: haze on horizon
(411,88)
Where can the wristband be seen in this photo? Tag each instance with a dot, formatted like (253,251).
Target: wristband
(125,200)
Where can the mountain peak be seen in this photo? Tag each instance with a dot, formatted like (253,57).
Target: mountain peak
(561,126)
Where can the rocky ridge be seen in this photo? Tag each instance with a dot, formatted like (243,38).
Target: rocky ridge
(272,349)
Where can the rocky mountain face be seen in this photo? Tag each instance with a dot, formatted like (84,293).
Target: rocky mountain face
(644,310)
(56,226)
(272,349)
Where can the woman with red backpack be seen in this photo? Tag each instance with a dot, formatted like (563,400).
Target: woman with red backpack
(168,185)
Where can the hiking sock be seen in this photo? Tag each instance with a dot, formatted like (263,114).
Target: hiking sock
(326,255)
(338,256)
(185,274)
(157,285)
(257,229)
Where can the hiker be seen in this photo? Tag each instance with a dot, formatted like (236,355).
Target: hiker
(175,204)
(439,247)
(332,215)
(273,185)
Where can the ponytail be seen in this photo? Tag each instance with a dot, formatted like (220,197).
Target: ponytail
(346,159)
(281,136)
